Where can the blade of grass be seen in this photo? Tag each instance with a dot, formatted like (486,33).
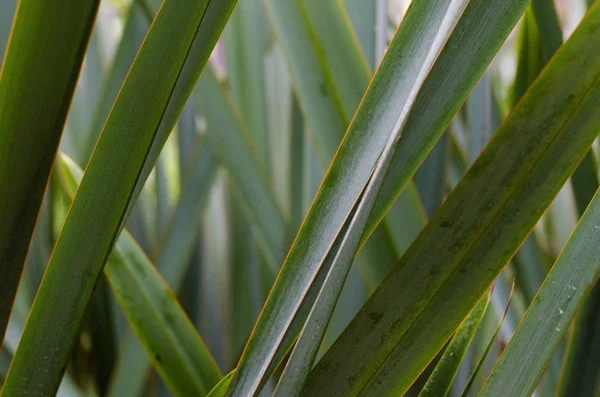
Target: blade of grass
(547,320)
(101,201)
(474,234)
(360,151)
(37,81)
(166,333)
(445,371)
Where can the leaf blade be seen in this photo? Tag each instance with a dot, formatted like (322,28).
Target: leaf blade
(37,82)
(102,199)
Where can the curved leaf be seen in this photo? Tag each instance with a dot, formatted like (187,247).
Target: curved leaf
(171,341)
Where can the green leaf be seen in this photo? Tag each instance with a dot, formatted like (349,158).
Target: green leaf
(169,338)
(445,371)
(474,234)
(457,70)
(221,387)
(547,320)
(172,343)
(101,201)
(38,78)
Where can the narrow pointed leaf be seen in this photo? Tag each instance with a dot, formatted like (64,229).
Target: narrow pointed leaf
(101,201)
(37,81)
(580,373)
(221,387)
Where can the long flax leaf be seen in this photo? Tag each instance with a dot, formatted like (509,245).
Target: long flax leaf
(37,81)
(100,205)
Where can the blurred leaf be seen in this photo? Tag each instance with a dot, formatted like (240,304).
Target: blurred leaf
(39,73)
(244,60)
(457,70)
(445,371)
(363,16)
(474,234)
(176,249)
(549,27)
(229,137)
(8,8)
(101,201)
(479,117)
(170,340)
(244,294)
(431,176)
